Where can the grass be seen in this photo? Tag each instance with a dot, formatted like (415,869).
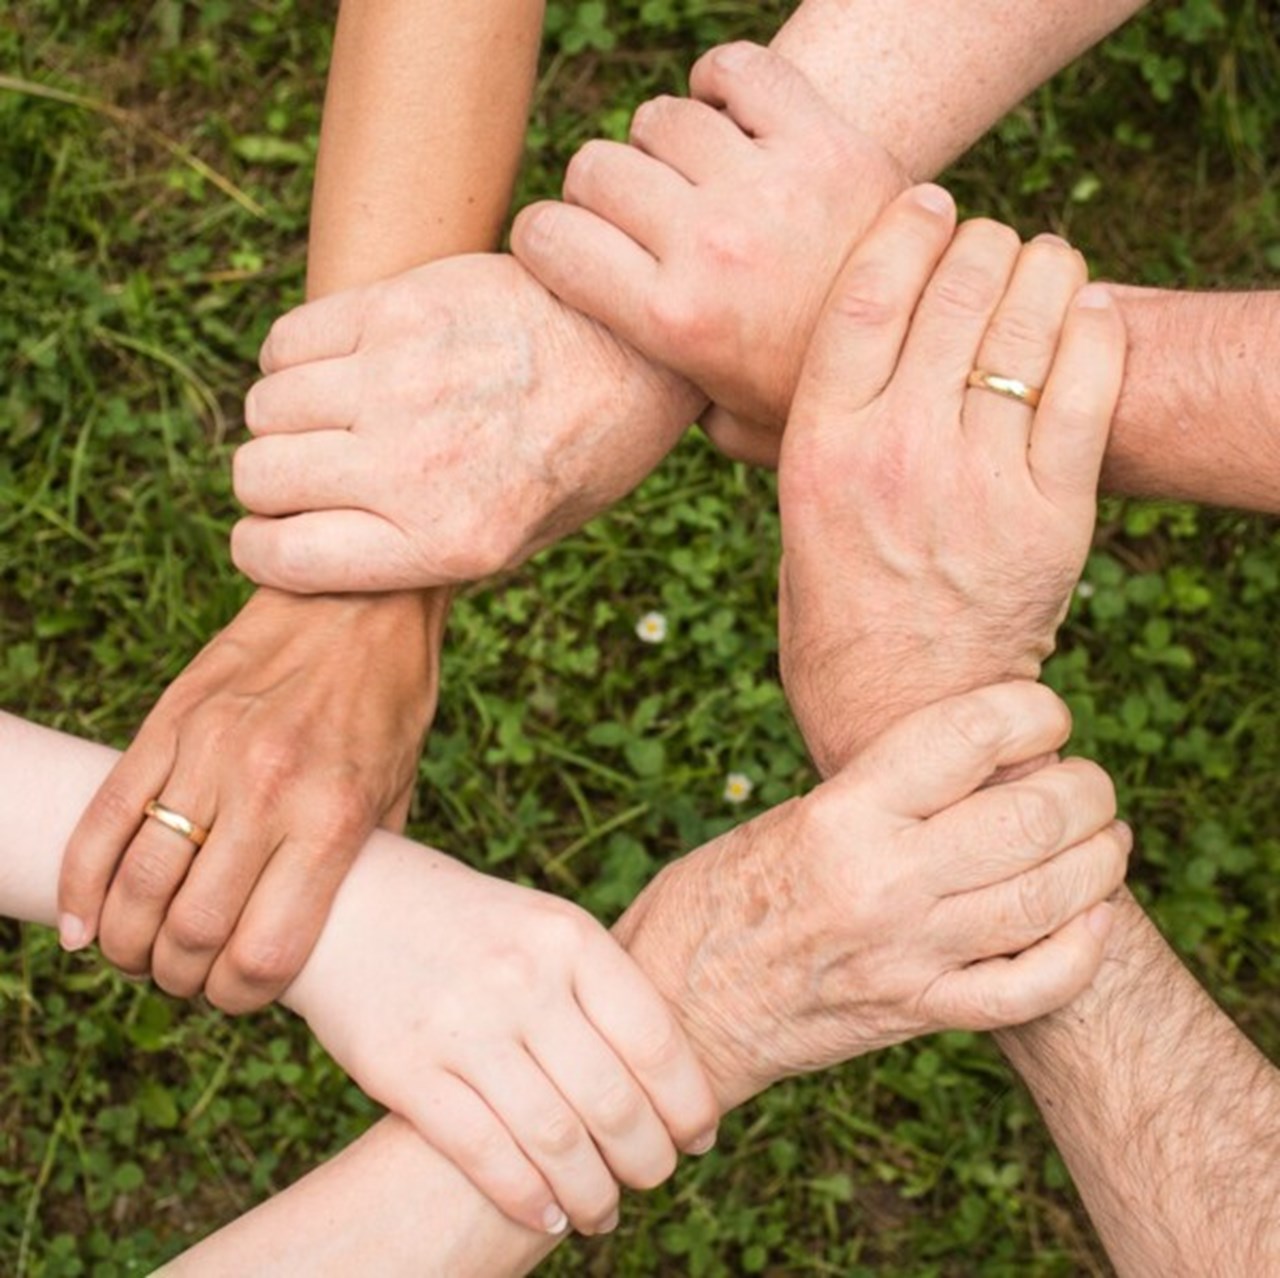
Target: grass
(155,163)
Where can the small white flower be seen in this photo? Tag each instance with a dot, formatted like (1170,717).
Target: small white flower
(651,628)
(1086,590)
(738,787)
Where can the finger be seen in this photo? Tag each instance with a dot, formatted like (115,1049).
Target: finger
(938,755)
(1011,991)
(695,139)
(611,1104)
(319,470)
(855,347)
(1069,434)
(639,195)
(754,443)
(324,551)
(1010,916)
(999,832)
(207,907)
(322,395)
(942,348)
(452,1117)
(761,91)
(551,1135)
(324,329)
(590,265)
(151,872)
(638,1024)
(1020,343)
(105,830)
(285,914)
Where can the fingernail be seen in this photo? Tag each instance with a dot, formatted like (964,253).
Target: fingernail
(1094,297)
(1048,237)
(1099,920)
(609,1223)
(733,57)
(703,1144)
(932,197)
(73,932)
(554,1221)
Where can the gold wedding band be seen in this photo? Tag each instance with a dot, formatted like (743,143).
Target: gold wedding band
(176,822)
(1009,387)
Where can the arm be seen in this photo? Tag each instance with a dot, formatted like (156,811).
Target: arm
(421,138)
(857,866)
(593,416)
(699,276)
(1166,1114)
(1199,416)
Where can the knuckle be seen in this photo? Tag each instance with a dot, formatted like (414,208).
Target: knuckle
(264,961)
(1039,820)
(558,1133)
(659,1047)
(725,244)
(975,723)
(863,297)
(146,875)
(271,761)
(1020,328)
(617,1108)
(676,316)
(1037,903)
(966,288)
(198,927)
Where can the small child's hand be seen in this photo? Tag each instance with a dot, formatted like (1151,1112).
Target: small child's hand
(511,1030)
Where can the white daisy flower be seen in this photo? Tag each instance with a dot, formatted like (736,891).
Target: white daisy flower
(738,787)
(1086,590)
(651,628)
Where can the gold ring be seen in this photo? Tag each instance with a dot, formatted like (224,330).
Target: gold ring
(176,822)
(1009,387)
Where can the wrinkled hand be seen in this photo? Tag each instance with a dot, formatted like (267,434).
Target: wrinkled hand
(710,242)
(290,737)
(896,899)
(440,427)
(511,1030)
(933,534)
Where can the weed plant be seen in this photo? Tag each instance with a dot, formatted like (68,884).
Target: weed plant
(155,163)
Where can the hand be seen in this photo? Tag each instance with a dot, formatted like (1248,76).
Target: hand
(511,1030)
(440,427)
(290,736)
(896,899)
(711,241)
(932,534)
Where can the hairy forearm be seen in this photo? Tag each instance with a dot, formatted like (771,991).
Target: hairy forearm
(1168,1117)
(926,79)
(423,125)
(1199,418)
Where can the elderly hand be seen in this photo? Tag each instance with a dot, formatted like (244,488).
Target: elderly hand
(289,738)
(439,427)
(899,898)
(932,531)
(711,241)
(511,1030)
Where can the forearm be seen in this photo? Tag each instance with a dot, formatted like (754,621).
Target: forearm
(1199,418)
(389,1199)
(926,79)
(423,125)
(1168,1117)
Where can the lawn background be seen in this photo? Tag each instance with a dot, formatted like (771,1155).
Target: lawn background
(155,163)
